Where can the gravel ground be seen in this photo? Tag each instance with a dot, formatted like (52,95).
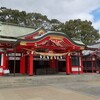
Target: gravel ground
(81,87)
(51,87)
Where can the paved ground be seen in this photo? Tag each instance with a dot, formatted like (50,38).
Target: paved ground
(44,93)
(81,87)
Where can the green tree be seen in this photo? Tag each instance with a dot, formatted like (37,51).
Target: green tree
(12,16)
(73,28)
(55,25)
(35,20)
(81,30)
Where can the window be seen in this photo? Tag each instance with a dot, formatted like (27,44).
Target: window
(75,61)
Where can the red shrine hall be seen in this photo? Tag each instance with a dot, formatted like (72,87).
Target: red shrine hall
(40,52)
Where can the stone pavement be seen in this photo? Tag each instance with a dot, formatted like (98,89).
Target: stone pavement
(51,87)
(43,93)
(23,81)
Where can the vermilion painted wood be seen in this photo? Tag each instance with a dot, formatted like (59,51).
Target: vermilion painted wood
(31,67)
(68,65)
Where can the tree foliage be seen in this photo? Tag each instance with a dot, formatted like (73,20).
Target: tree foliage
(81,30)
(73,28)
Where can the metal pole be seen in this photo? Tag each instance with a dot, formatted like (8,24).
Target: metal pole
(14,47)
(79,61)
(92,64)
(14,60)
(79,64)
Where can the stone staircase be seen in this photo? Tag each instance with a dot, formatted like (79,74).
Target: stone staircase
(23,81)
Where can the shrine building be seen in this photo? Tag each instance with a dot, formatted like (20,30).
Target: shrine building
(25,50)
(91,58)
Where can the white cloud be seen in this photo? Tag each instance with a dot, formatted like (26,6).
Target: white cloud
(54,8)
(97,25)
(62,10)
(82,16)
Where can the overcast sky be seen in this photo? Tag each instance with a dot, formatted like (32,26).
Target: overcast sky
(62,10)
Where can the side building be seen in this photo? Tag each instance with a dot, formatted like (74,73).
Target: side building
(27,51)
(91,58)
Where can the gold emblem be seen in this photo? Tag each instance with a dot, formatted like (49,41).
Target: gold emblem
(22,43)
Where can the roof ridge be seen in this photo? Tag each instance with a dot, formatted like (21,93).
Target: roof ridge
(6,23)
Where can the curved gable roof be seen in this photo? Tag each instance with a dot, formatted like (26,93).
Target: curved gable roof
(29,34)
(54,35)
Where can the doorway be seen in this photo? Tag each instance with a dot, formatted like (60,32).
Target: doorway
(61,66)
(42,67)
(11,66)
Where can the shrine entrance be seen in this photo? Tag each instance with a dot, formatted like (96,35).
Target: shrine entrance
(61,66)
(11,66)
(42,67)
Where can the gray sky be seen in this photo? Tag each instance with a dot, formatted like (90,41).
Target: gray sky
(62,10)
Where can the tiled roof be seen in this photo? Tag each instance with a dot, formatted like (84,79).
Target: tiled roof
(96,45)
(14,30)
(8,39)
(96,50)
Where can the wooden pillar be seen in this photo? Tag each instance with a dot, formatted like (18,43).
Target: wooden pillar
(85,60)
(92,64)
(14,60)
(22,64)
(5,61)
(2,64)
(2,59)
(81,62)
(68,65)
(31,63)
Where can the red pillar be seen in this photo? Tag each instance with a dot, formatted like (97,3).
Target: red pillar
(31,63)
(68,65)
(5,61)
(92,64)
(2,64)
(81,62)
(22,64)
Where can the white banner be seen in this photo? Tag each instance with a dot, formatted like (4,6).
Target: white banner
(13,58)
(76,69)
